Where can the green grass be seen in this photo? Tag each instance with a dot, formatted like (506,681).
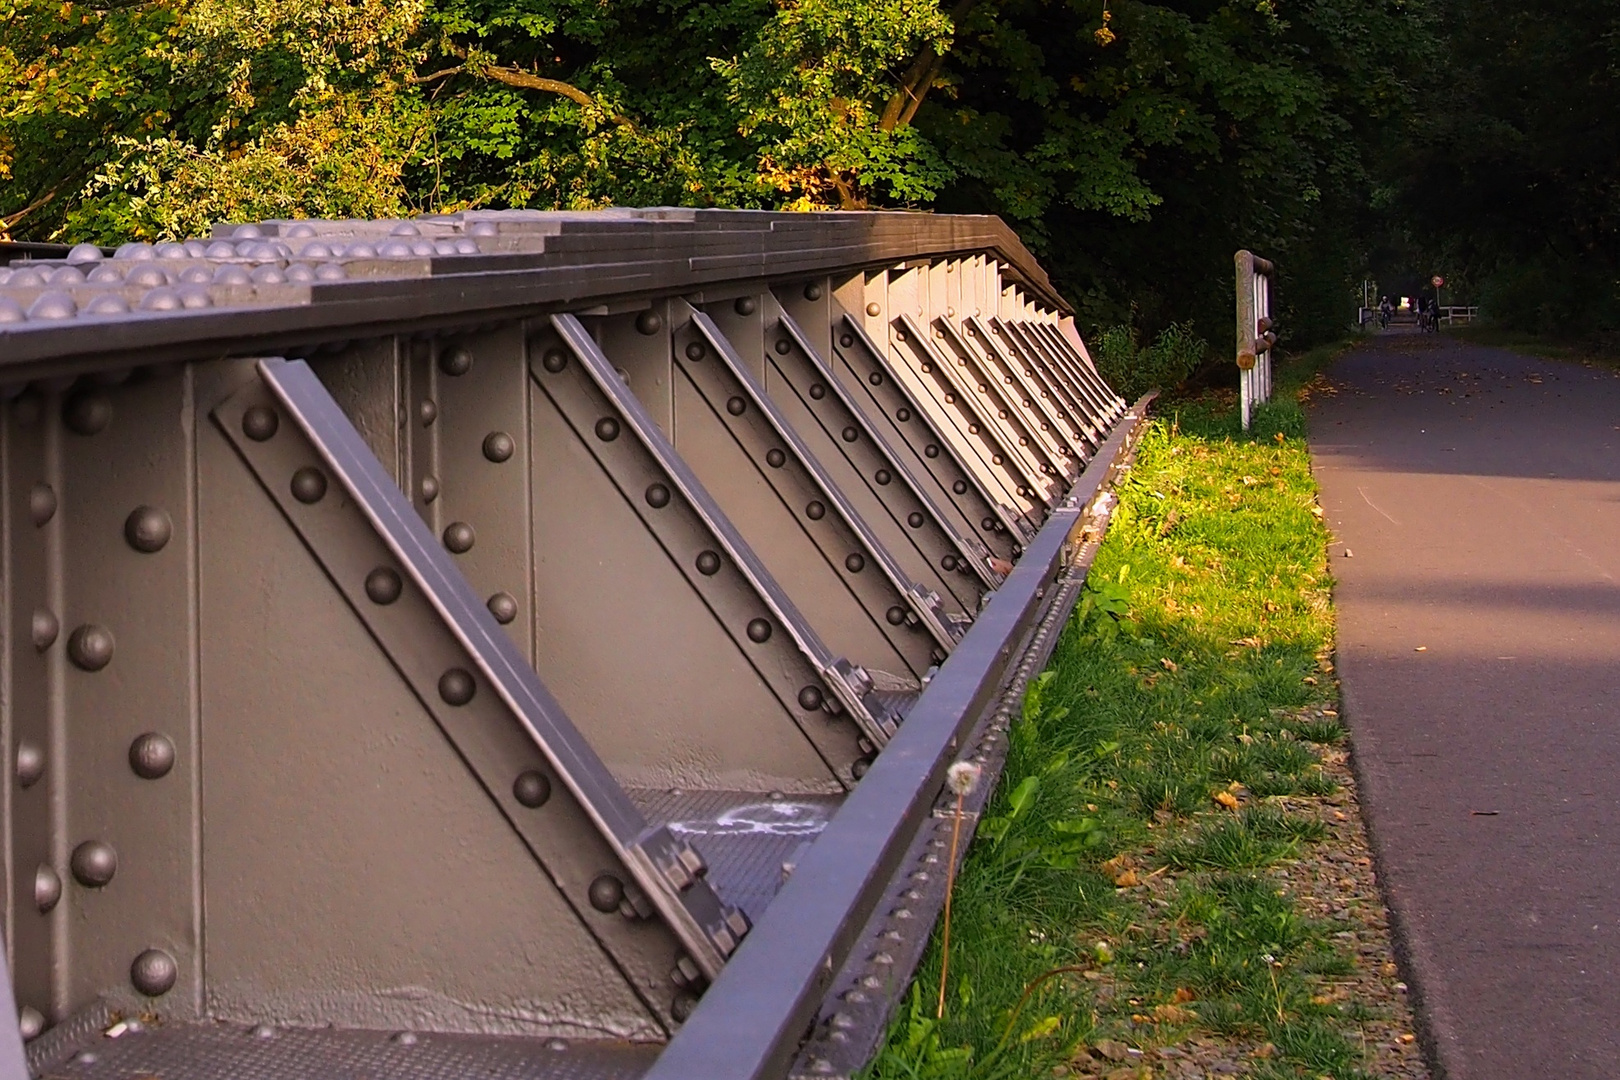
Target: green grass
(1185,684)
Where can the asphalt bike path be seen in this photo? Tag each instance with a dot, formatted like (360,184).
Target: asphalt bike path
(1474,498)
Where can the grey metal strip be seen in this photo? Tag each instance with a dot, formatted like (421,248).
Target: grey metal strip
(1002,438)
(755,1015)
(1057,370)
(999,373)
(936,531)
(667,869)
(1098,406)
(1003,527)
(1062,346)
(850,685)
(1068,433)
(836,512)
(1057,390)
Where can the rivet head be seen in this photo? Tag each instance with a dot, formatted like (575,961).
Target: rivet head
(818,391)
(87,412)
(458,361)
(90,647)
(736,406)
(456,687)
(810,698)
(775,459)
(745,305)
(815,510)
(657,496)
(44,628)
(498,446)
(605,893)
(680,1008)
(154,973)
(914,519)
(403,1038)
(850,434)
(31,1023)
(902,414)
(93,863)
(960,487)
(30,763)
(260,423)
(931,450)
(949,562)
(47,888)
(554,360)
(882,476)
(148,529)
(504,607)
(896,615)
(428,411)
(41,504)
(263,1032)
(876,378)
(708,563)
(759,630)
(459,537)
(531,788)
(151,756)
(812,291)
(846,340)
(855,563)
(383,585)
(309,485)
(782,346)
(649,322)
(874,309)
(607,429)
(430,488)
(859,768)
(696,351)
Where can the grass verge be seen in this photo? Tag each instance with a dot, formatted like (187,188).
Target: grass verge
(1127,905)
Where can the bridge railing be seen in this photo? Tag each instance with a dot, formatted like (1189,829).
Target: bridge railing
(509,643)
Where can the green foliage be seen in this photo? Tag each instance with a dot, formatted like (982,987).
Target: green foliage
(1197,655)
(1131,370)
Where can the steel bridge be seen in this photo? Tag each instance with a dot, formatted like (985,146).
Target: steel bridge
(516,644)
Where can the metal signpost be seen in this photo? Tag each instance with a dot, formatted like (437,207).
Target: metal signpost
(1254,334)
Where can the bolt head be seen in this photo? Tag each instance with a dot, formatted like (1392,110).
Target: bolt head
(657,496)
(47,888)
(554,360)
(605,893)
(260,423)
(782,346)
(736,406)
(696,351)
(93,863)
(459,537)
(87,412)
(498,446)
(810,698)
(775,459)
(504,607)
(151,756)
(383,585)
(815,510)
(30,1022)
(759,631)
(309,485)
(45,628)
(457,687)
(708,563)
(91,647)
(30,763)
(874,309)
(41,504)
(430,488)
(649,322)
(531,788)
(812,291)
(855,562)
(456,361)
(745,305)
(154,973)
(607,429)
(148,529)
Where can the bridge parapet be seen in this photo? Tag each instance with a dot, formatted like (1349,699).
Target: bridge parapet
(456,627)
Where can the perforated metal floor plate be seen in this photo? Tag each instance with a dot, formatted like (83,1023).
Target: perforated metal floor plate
(746,836)
(232,1052)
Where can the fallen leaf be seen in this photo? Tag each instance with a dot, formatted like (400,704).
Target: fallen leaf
(1407,1037)
(1169,665)
(1182,996)
(1112,1049)
(1226,799)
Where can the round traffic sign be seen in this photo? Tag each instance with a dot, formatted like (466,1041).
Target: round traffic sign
(1437,281)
